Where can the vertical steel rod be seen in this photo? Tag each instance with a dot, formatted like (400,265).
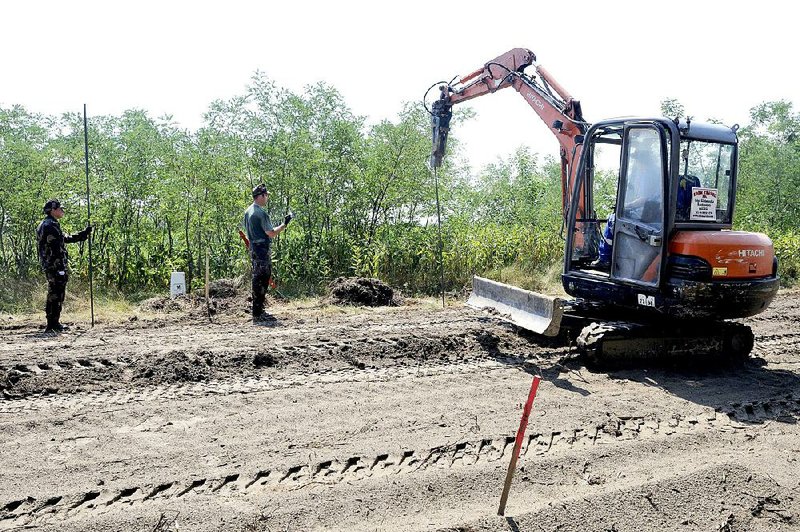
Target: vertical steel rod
(88,206)
(439,222)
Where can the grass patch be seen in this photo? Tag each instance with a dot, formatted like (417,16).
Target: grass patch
(544,281)
(28,297)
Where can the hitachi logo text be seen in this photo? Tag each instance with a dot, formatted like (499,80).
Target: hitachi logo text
(751,252)
(536,101)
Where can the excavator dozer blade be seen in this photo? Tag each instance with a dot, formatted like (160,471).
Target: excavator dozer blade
(535,312)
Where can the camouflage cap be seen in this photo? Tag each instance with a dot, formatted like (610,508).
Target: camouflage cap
(260,189)
(50,205)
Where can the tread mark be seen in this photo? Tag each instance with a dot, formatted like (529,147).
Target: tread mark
(352,465)
(13,505)
(195,484)
(325,469)
(159,489)
(127,492)
(52,501)
(294,473)
(261,474)
(407,461)
(87,497)
(227,480)
(459,452)
(382,461)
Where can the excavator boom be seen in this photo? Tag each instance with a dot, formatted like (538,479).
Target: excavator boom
(562,114)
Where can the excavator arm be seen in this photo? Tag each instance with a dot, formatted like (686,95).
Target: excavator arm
(561,113)
(554,105)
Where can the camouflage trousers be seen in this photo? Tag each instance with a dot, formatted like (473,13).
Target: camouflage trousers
(56,288)
(262,271)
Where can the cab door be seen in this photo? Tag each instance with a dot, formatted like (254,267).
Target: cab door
(639,227)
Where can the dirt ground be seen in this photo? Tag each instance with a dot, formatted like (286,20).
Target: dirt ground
(384,418)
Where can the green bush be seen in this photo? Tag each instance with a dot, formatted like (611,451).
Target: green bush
(787,249)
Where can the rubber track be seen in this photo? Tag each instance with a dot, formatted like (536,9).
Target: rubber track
(615,430)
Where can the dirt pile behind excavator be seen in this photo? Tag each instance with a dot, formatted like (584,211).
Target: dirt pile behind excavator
(362,292)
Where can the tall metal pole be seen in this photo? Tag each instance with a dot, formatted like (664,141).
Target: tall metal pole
(88,206)
(439,221)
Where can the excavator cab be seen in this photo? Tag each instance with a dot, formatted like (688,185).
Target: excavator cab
(673,250)
(625,164)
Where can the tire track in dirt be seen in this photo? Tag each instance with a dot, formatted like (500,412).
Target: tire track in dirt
(395,353)
(766,344)
(615,430)
(62,365)
(396,368)
(139,365)
(777,347)
(255,384)
(111,336)
(396,343)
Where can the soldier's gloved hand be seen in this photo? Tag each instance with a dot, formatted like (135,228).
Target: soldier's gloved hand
(287,219)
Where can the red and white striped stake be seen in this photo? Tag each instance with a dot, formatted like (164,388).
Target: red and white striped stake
(523,424)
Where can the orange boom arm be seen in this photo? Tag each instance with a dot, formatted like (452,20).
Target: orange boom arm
(554,105)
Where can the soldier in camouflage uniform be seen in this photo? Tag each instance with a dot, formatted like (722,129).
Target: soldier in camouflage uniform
(260,233)
(53,258)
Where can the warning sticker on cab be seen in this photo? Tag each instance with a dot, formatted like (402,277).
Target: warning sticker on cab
(719,272)
(704,204)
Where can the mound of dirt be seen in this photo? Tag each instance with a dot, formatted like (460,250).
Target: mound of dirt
(176,366)
(224,294)
(222,288)
(362,291)
(166,304)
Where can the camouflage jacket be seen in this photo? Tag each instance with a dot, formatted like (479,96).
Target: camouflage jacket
(52,250)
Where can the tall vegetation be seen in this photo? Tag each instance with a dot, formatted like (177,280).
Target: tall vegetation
(769,183)
(363,195)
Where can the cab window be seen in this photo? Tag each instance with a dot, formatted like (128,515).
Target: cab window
(704,182)
(643,200)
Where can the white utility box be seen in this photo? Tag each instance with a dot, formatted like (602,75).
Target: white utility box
(177,284)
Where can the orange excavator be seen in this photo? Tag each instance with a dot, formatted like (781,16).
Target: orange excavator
(654,266)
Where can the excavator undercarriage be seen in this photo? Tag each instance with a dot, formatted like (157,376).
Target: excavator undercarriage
(627,343)
(608,336)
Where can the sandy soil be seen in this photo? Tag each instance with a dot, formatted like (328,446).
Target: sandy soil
(389,418)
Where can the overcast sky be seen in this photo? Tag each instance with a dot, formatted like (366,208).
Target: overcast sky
(619,58)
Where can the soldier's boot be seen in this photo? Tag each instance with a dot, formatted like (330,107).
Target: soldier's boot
(53,312)
(52,318)
(263,318)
